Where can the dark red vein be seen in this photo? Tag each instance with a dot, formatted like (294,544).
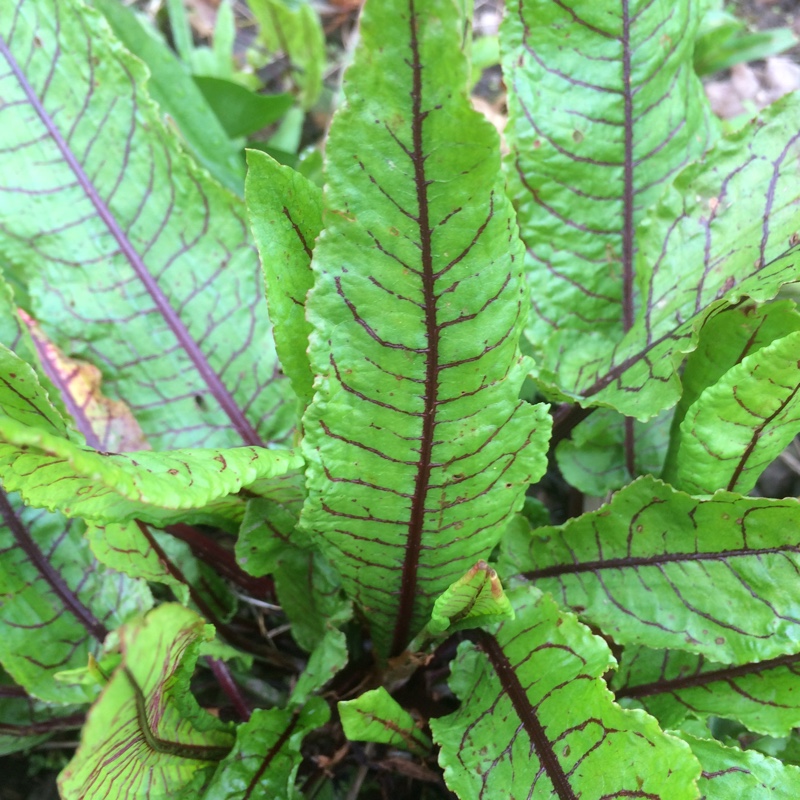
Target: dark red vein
(48,572)
(704,678)
(526,713)
(631,562)
(757,432)
(273,751)
(198,358)
(408,587)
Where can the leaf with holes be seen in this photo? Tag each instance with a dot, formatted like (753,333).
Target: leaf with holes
(672,685)
(661,568)
(146,733)
(536,719)
(147,238)
(418,446)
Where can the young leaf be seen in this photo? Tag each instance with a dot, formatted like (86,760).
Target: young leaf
(474,600)
(730,774)
(57,604)
(144,237)
(604,109)
(419,449)
(742,423)
(328,658)
(375,716)
(265,758)
(146,732)
(672,685)
(286,215)
(641,567)
(536,719)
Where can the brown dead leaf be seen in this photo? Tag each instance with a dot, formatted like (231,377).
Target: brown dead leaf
(107,424)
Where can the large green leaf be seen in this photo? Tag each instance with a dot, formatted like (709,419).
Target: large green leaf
(57,603)
(661,568)
(418,447)
(604,109)
(672,685)
(286,213)
(146,736)
(701,248)
(537,721)
(126,243)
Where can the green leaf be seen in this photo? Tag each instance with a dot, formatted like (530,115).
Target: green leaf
(57,604)
(180,100)
(419,449)
(536,720)
(53,473)
(474,600)
(286,216)
(297,33)
(661,568)
(730,774)
(375,716)
(742,423)
(265,758)
(672,685)
(595,460)
(240,110)
(26,722)
(133,549)
(146,733)
(267,530)
(701,249)
(111,221)
(309,591)
(604,109)
(327,660)
(725,339)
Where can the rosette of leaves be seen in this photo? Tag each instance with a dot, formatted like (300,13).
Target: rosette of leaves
(361,433)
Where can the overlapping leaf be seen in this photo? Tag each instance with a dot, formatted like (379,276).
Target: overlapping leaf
(147,702)
(125,242)
(57,603)
(661,568)
(742,423)
(536,720)
(419,449)
(632,282)
(286,214)
(605,109)
(764,697)
(730,774)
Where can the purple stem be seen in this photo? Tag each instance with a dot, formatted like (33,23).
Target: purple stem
(228,685)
